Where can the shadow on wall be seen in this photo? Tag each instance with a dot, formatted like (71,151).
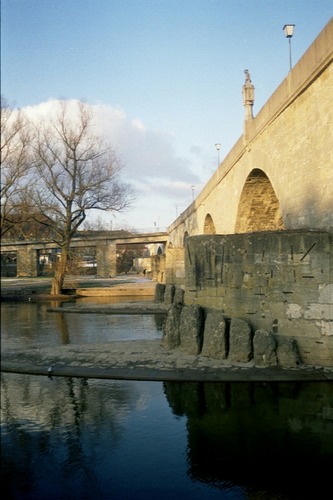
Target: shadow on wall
(259,208)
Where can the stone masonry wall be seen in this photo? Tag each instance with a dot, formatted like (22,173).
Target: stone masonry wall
(277,281)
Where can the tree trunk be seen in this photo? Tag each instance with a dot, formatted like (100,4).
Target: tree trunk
(59,274)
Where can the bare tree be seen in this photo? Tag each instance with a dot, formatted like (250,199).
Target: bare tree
(16,163)
(75,173)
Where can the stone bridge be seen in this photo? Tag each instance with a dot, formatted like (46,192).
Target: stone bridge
(279,174)
(257,241)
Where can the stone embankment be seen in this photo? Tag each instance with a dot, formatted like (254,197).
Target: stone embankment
(195,331)
(194,349)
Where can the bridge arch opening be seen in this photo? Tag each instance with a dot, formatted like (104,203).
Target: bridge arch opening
(259,208)
(209,226)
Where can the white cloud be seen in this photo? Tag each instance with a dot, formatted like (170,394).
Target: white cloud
(161,179)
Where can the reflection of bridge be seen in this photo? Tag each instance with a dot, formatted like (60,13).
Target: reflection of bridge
(105,245)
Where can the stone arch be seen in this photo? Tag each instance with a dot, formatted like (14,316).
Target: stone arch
(209,226)
(259,208)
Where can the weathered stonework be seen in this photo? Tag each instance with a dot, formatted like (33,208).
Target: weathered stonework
(171,336)
(240,341)
(159,292)
(215,341)
(169,294)
(287,353)
(264,349)
(178,295)
(280,282)
(279,175)
(190,330)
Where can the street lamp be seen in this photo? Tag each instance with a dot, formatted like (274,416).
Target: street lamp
(289,31)
(192,187)
(218,147)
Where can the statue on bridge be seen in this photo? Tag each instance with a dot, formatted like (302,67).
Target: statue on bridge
(247,76)
(248,95)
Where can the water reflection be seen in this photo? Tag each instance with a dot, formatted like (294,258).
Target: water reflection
(68,438)
(27,324)
(71,438)
(277,437)
(77,438)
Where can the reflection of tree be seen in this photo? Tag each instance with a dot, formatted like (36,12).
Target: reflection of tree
(63,328)
(255,434)
(52,432)
(76,457)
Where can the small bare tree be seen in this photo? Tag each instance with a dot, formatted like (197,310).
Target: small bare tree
(75,173)
(16,164)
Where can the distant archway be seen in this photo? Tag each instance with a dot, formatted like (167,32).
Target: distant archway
(209,226)
(259,208)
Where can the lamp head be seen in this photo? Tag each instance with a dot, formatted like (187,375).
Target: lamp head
(288,30)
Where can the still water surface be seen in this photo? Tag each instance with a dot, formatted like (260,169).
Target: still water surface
(28,324)
(70,438)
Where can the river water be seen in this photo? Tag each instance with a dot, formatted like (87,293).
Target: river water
(70,438)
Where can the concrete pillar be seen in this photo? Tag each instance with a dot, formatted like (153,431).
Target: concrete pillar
(26,261)
(106,259)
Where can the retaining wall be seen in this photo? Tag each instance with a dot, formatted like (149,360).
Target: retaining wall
(278,281)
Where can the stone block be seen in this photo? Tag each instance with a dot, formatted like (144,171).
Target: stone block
(171,335)
(264,348)
(191,329)
(319,311)
(215,342)
(240,341)
(287,353)
(159,292)
(169,294)
(178,296)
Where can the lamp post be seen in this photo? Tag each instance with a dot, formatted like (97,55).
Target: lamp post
(218,147)
(289,31)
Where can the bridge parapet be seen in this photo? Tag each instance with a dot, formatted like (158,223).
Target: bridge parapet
(288,146)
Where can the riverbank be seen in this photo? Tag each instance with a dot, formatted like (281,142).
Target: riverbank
(38,288)
(145,360)
(130,360)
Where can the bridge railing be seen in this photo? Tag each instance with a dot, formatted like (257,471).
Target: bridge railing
(147,230)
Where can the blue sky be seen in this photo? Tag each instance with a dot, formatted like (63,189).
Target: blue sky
(164,77)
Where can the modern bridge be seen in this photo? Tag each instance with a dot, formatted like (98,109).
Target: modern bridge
(104,243)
